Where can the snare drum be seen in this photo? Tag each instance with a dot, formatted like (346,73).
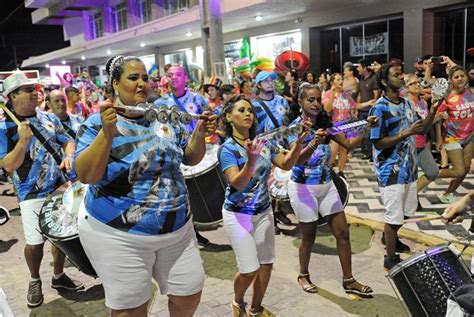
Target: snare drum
(426,280)
(206,186)
(279,185)
(58,223)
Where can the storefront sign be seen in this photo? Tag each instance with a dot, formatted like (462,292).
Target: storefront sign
(232,50)
(374,44)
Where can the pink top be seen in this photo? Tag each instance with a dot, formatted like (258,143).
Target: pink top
(460,123)
(421,108)
(342,105)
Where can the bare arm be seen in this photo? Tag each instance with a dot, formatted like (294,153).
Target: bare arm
(240,178)
(288,160)
(196,148)
(14,159)
(92,162)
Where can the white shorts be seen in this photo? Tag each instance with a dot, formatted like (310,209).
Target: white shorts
(126,262)
(399,200)
(252,237)
(308,201)
(30,210)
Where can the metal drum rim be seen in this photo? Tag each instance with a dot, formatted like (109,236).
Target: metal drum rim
(415,258)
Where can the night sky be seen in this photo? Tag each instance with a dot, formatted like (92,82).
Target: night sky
(17,33)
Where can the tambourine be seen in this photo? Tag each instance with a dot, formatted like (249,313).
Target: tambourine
(440,89)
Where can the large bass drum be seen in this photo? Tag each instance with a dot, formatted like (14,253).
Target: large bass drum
(426,280)
(206,187)
(58,223)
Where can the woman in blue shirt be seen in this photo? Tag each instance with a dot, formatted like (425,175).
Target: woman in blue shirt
(136,222)
(313,194)
(247,215)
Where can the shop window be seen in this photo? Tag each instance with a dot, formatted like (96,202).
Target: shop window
(454,34)
(330,50)
(271,45)
(352,43)
(395,39)
(184,57)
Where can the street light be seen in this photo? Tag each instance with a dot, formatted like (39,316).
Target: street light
(258,18)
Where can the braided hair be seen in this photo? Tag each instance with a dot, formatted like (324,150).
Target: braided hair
(228,107)
(115,67)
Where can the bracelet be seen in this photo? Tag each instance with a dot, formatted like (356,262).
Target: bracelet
(313,146)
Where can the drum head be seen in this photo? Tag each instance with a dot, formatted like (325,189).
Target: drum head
(58,216)
(208,162)
(281,175)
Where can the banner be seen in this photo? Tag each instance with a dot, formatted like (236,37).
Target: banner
(374,44)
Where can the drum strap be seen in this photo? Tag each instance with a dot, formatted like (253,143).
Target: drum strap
(69,130)
(44,142)
(268,112)
(179,104)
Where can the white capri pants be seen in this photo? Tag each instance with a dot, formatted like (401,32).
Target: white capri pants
(126,262)
(252,238)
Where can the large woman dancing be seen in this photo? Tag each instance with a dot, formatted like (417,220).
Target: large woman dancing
(313,194)
(247,215)
(135,224)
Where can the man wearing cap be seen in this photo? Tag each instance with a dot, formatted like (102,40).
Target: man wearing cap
(271,110)
(34,173)
(212,90)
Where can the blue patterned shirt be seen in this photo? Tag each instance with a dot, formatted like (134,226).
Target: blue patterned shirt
(398,164)
(278,106)
(316,169)
(142,190)
(190,102)
(38,175)
(254,198)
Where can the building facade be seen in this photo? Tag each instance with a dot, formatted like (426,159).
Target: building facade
(329,32)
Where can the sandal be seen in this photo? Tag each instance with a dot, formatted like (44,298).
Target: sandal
(309,288)
(239,310)
(351,286)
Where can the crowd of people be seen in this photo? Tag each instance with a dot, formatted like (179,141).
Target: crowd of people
(137,203)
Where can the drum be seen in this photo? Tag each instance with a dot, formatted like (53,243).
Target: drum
(206,187)
(426,280)
(58,223)
(342,187)
(279,186)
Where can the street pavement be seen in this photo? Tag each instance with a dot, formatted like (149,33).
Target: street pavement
(284,296)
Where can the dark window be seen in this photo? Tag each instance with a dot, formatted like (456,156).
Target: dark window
(119,17)
(96,25)
(395,36)
(352,43)
(143,10)
(330,50)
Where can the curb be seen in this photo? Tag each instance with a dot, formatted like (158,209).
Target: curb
(416,236)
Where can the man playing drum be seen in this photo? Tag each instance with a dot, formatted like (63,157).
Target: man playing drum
(35,173)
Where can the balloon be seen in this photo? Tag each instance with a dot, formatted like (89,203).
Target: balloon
(292,60)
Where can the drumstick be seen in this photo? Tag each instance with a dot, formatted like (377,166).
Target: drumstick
(10,114)
(434,217)
(427,218)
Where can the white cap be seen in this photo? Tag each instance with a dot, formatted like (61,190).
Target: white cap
(15,81)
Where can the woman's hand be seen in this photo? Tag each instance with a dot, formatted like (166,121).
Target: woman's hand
(254,148)
(207,123)
(108,116)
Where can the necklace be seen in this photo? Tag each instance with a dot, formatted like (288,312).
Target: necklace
(241,139)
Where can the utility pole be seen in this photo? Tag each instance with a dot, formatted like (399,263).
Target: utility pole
(212,38)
